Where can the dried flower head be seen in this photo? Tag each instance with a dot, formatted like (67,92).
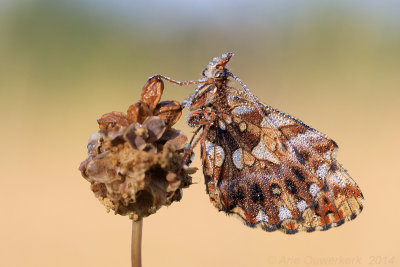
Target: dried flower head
(134,162)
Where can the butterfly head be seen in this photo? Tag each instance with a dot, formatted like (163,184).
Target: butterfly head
(216,69)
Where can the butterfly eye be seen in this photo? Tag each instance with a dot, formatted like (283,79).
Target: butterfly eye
(220,74)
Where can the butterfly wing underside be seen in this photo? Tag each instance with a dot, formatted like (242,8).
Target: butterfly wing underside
(275,172)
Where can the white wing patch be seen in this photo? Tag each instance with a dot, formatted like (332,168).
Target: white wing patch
(275,120)
(219,156)
(241,110)
(237,158)
(322,171)
(284,213)
(262,217)
(314,189)
(260,151)
(301,205)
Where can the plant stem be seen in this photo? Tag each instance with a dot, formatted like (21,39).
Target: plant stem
(136,245)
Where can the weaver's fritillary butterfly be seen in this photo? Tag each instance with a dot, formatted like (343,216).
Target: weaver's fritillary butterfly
(265,166)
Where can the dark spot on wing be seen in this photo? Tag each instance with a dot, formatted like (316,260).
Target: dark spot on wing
(311,229)
(238,194)
(299,198)
(329,212)
(232,206)
(284,146)
(257,194)
(299,156)
(298,173)
(335,145)
(325,187)
(291,231)
(326,227)
(305,155)
(339,223)
(334,167)
(290,186)
(268,228)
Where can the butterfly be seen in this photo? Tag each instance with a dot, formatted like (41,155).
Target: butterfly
(267,167)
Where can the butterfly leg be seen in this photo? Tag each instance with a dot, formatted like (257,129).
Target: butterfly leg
(193,143)
(194,135)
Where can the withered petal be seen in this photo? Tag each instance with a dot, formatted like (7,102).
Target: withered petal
(173,186)
(169,111)
(133,112)
(138,112)
(112,121)
(155,127)
(99,189)
(178,141)
(83,167)
(152,91)
(190,170)
(170,134)
(172,177)
(94,143)
(136,136)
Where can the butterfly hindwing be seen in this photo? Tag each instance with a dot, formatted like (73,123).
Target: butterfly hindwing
(274,171)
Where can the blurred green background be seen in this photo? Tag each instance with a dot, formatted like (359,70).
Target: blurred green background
(63,64)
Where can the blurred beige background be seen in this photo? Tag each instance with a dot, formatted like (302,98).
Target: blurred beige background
(65,63)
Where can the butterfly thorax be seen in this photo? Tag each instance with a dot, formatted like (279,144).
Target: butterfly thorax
(210,96)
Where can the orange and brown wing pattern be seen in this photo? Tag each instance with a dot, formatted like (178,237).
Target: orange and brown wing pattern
(269,168)
(274,171)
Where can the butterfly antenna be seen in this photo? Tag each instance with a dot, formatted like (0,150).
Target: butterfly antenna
(177,82)
(186,103)
(259,107)
(244,86)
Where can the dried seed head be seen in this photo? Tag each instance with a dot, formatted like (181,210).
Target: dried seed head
(134,162)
